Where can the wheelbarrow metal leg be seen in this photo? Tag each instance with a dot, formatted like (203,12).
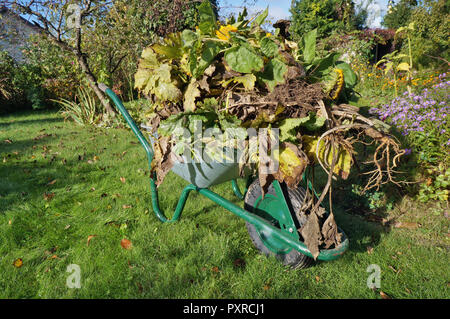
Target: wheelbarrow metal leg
(180,205)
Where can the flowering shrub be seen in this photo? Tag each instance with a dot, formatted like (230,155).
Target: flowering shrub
(424,121)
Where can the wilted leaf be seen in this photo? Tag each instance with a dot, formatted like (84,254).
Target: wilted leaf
(292,163)
(330,233)
(125,243)
(247,80)
(344,158)
(311,234)
(192,92)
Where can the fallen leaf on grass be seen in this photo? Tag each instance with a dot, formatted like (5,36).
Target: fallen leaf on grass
(239,262)
(123,180)
(384,296)
(89,239)
(215,269)
(49,196)
(126,206)
(18,263)
(407,225)
(54,257)
(393,269)
(41,136)
(96,158)
(67,227)
(125,243)
(8,141)
(369,250)
(52,182)
(408,291)
(9,222)
(317,278)
(266,287)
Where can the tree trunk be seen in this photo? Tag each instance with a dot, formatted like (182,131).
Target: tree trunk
(94,85)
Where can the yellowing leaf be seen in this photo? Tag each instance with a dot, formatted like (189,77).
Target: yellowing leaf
(18,263)
(292,163)
(344,159)
(247,80)
(403,67)
(192,92)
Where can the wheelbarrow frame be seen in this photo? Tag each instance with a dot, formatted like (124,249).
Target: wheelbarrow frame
(286,234)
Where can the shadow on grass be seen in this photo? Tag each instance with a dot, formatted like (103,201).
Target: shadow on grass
(34,121)
(28,179)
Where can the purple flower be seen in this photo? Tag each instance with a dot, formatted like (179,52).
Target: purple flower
(407,151)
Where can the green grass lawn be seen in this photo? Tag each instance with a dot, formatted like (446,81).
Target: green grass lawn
(63,200)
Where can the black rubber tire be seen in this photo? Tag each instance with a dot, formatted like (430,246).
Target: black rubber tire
(294,258)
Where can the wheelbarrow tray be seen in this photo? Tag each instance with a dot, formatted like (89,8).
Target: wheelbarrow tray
(201,173)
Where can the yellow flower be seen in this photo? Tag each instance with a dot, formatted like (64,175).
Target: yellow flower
(224,32)
(268,34)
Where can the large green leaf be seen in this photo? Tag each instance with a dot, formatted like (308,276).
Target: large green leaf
(273,73)
(309,51)
(210,51)
(269,48)
(243,59)
(288,126)
(189,37)
(261,18)
(207,18)
(350,77)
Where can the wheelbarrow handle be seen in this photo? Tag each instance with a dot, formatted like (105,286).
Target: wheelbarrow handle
(148,148)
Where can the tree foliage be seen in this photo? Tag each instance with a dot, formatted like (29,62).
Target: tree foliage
(399,13)
(325,16)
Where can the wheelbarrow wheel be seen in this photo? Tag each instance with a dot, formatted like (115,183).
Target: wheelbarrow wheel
(288,256)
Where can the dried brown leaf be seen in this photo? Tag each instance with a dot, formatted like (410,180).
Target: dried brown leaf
(311,234)
(89,239)
(125,243)
(384,296)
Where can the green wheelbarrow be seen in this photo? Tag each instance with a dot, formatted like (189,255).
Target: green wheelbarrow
(272,221)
